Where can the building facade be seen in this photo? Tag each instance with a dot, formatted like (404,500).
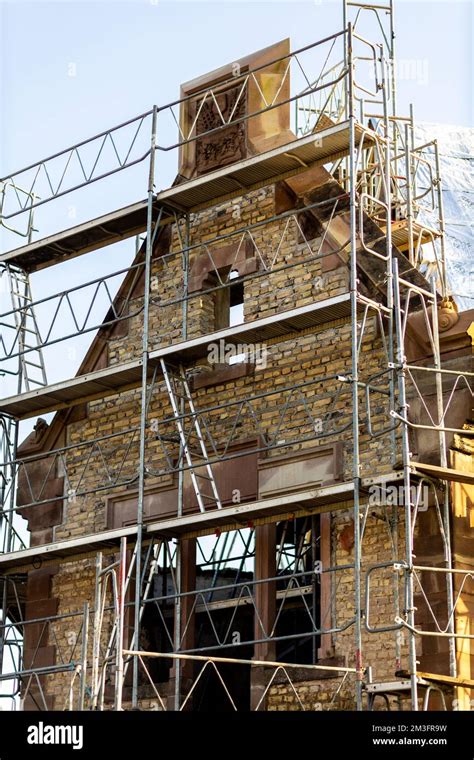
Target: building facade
(256,491)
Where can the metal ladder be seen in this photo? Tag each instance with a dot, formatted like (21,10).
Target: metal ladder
(112,588)
(32,372)
(178,390)
(8,438)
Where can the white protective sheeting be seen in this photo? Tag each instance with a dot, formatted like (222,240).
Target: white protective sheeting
(456,151)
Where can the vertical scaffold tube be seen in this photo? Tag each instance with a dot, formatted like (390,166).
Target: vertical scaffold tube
(403,408)
(355,369)
(143,409)
(446,510)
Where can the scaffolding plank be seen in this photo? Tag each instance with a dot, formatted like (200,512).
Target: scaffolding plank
(83,238)
(467,683)
(35,556)
(323,498)
(275,326)
(77,390)
(229,518)
(251,173)
(236,514)
(444,473)
(441,679)
(192,195)
(114,379)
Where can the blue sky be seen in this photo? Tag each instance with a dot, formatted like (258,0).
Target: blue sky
(128,55)
(71,69)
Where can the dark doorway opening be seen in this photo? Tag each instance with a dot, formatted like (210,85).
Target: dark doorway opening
(230,625)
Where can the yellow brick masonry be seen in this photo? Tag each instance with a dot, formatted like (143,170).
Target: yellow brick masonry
(314,355)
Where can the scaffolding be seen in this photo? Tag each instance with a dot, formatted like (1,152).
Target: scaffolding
(345,118)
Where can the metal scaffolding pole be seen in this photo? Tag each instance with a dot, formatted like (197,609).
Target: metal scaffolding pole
(446,516)
(403,406)
(178,601)
(442,227)
(119,642)
(144,406)
(84,645)
(355,370)
(387,153)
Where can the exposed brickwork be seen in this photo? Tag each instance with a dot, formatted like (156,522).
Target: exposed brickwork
(319,359)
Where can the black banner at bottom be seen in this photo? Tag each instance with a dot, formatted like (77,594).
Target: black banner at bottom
(112,734)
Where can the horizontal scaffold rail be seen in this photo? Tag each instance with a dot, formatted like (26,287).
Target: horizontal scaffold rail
(116,378)
(215,187)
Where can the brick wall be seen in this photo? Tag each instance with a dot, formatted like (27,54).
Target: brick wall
(312,355)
